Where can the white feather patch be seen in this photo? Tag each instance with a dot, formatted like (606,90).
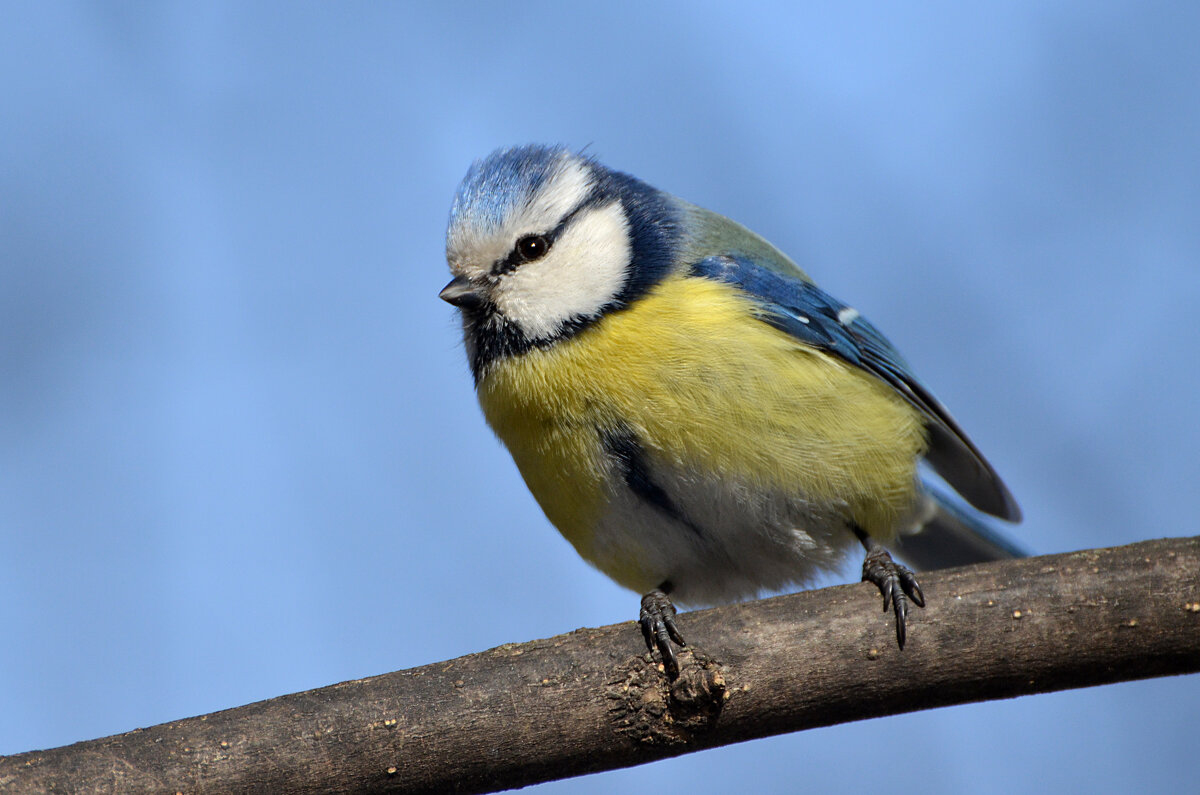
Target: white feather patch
(586,267)
(471,250)
(748,540)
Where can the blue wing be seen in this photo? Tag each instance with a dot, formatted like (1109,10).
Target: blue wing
(812,316)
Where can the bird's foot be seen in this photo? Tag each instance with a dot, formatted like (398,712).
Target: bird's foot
(658,627)
(897,583)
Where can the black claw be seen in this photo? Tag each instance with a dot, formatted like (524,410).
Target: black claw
(900,607)
(896,583)
(657,620)
(908,581)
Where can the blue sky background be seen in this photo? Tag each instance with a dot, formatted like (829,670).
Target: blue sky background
(239,449)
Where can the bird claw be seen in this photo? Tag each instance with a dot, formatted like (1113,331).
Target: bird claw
(657,619)
(896,583)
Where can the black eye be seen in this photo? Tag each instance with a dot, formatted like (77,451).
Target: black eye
(532,247)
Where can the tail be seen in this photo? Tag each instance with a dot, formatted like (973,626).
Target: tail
(953,536)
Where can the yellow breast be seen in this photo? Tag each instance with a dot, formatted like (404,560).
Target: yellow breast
(707,387)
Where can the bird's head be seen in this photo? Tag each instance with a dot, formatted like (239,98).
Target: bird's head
(543,241)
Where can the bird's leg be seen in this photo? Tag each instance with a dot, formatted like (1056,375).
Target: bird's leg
(897,583)
(658,627)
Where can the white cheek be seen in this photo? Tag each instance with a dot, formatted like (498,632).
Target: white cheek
(585,269)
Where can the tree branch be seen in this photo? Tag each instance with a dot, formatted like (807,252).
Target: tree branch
(591,700)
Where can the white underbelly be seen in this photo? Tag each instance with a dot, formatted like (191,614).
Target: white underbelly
(728,541)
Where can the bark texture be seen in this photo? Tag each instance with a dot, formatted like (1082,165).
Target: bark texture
(593,700)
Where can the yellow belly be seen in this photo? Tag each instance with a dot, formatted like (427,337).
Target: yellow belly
(708,388)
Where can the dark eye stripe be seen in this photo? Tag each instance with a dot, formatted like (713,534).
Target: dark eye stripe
(516,258)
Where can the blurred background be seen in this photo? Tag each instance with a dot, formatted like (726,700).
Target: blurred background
(239,447)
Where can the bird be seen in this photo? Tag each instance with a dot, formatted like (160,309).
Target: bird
(698,418)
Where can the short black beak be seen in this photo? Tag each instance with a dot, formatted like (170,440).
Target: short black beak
(462,293)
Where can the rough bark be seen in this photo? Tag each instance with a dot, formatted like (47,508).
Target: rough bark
(592,700)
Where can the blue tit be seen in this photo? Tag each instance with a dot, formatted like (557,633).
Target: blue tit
(697,417)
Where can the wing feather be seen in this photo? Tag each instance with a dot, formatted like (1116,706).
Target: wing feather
(812,316)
